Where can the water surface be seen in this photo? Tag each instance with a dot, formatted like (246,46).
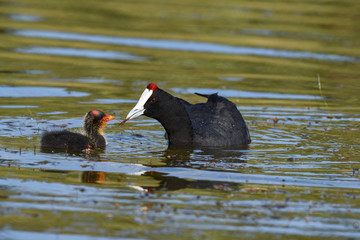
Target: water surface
(89,53)
(231,93)
(299,178)
(30,91)
(181,45)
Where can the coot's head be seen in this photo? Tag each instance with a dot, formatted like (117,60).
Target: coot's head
(149,104)
(95,121)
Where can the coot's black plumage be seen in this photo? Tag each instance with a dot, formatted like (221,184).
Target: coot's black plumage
(66,141)
(216,123)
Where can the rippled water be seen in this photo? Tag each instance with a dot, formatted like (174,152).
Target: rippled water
(291,69)
(79,53)
(29,91)
(25,17)
(181,45)
(231,93)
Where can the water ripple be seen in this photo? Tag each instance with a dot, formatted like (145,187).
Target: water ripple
(25,17)
(244,94)
(179,45)
(76,52)
(30,91)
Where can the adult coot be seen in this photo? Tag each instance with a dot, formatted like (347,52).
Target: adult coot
(65,141)
(216,123)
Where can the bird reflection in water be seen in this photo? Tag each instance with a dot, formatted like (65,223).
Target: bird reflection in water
(195,158)
(93,177)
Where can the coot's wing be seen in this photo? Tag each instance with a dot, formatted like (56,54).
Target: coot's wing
(218,123)
(183,102)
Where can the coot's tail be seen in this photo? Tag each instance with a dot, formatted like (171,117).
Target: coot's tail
(205,95)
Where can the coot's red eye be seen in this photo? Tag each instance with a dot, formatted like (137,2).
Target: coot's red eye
(153,100)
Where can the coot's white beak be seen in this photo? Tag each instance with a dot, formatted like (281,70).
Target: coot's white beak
(139,109)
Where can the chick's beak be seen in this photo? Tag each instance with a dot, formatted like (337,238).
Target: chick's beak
(108,118)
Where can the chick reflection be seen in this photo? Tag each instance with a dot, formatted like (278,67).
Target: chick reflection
(93,177)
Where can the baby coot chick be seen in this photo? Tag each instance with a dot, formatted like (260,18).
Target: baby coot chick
(66,141)
(216,123)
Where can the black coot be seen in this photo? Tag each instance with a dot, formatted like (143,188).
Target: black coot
(65,141)
(216,123)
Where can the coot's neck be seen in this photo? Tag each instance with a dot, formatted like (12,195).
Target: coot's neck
(92,131)
(172,115)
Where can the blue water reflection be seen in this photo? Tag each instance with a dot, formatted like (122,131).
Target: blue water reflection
(25,17)
(18,106)
(76,52)
(244,94)
(29,91)
(180,45)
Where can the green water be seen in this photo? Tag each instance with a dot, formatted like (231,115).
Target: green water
(299,178)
